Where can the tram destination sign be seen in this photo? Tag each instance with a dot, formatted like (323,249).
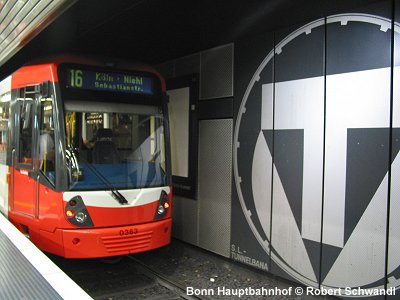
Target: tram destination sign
(109,81)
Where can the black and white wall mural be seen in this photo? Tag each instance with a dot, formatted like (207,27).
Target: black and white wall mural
(316,151)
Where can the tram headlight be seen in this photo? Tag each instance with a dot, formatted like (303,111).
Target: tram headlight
(76,212)
(163,206)
(160,210)
(81,217)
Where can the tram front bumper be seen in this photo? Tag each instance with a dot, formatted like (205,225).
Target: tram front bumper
(115,241)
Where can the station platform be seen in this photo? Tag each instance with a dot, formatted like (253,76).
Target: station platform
(26,273)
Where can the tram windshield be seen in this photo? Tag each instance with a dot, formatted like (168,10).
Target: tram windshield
(115,150)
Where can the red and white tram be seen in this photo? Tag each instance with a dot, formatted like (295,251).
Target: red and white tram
(84,157)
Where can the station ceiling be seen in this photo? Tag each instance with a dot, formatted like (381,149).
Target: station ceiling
(155,31)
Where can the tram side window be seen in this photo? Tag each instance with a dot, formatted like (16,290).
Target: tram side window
(157,139)
(46,138)
(4,116)
(25,132)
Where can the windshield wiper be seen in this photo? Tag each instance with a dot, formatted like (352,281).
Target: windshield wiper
(114,192)
(118,196)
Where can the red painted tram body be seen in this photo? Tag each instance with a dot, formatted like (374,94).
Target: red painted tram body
(84,157)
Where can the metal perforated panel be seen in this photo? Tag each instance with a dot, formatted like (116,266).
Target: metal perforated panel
(184,219)
(214,185)
(216,73)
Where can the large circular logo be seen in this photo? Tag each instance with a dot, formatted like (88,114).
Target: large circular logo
(314,185)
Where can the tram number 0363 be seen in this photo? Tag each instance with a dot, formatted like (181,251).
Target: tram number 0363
(127,232)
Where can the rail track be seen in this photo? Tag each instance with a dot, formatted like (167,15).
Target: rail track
(165,281)
(126,279)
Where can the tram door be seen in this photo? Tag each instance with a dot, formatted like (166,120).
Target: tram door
(22,190)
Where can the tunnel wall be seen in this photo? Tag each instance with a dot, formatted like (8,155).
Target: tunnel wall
(315,142)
